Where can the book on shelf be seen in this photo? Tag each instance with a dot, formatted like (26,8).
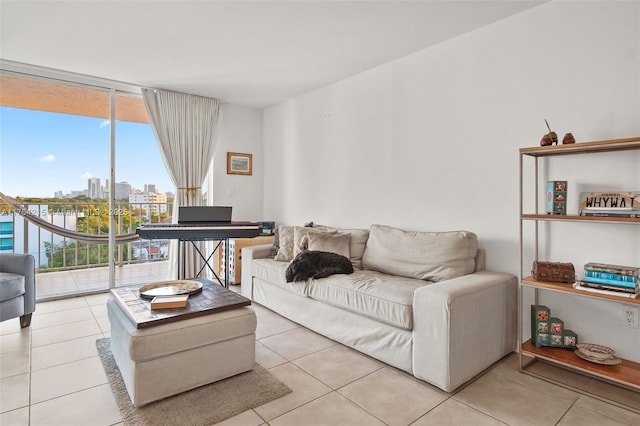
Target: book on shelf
(577,286)
(613,269)
(615,283)
(610,213)
(168,302)
(611,276)
(591,284)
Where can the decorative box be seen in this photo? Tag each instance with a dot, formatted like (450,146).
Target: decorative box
(557,197)
(542,340)
(540,316)
(556,325)
(570,339)
(549,331)
(556,340)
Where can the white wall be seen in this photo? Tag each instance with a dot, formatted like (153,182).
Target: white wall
(240,131)
(430,141)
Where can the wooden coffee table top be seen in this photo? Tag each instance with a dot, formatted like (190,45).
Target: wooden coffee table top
(213,299)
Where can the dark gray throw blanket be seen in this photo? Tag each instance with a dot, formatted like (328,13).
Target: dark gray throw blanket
(317,264)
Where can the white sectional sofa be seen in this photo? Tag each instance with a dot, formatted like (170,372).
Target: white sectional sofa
(419,301)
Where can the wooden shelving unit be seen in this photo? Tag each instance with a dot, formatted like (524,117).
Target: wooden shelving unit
(567,288)
(626,374)
(575,218)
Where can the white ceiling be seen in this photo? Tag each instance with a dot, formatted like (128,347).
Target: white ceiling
(253,53)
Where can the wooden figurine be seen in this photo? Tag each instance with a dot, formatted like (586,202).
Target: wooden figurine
(568,138)
(550,138)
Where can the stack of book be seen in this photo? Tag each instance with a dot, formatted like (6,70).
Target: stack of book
(610,204)
(612,279)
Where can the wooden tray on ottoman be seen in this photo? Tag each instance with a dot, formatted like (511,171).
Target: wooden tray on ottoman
(213,299)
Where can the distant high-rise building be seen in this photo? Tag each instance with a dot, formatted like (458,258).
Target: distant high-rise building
(94,190)
(58,194)
(123,189)
(149,188)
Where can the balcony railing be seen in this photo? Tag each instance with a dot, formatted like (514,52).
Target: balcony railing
(55,252)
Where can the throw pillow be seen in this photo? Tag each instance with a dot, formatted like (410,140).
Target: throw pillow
(300,234)
(285,239)
(276,244)
(334,243)
(317,264)
(431,256)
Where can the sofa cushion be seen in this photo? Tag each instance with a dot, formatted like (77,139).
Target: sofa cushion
(383,297)
(334,243)
(11,285)
(357,245)
(301,234)
(274,271)
(432,256)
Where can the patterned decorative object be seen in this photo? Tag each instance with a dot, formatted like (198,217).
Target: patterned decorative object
(557,197)
(549,331)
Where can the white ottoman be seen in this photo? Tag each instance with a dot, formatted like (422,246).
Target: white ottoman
(164,360)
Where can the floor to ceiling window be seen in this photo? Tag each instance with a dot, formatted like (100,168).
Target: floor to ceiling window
(56,163)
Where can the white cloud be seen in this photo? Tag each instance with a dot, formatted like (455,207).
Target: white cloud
(86,175)
(105,123)
(47,158)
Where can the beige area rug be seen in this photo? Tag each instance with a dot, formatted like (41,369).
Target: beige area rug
(205,405)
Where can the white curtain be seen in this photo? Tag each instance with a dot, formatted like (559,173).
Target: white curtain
(185,127)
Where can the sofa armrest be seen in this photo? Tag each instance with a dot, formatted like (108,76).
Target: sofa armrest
(248,254)
(462,326)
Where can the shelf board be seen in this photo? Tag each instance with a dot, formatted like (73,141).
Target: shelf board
(583,147)
(576,218)
(626,373)
(567,288)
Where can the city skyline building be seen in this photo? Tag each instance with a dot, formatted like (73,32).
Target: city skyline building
(122,190)
(94,189)
(153,203)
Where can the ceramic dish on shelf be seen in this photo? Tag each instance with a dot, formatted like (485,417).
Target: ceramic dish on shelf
(170,288)
(612,360)
(595,351)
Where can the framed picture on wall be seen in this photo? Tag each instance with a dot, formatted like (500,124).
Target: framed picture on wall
(238,164)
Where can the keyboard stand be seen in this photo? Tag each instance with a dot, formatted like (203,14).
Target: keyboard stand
(220,232)
(206,259)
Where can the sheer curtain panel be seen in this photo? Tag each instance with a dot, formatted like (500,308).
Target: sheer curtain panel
(185,127)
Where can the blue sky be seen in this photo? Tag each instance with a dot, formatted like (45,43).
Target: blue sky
(44,152)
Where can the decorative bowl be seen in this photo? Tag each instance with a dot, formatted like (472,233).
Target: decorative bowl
(595,351)
(170,288)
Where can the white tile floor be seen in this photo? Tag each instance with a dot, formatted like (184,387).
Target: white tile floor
(50,374)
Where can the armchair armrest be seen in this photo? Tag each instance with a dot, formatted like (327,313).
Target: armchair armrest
(462,326)
(248,254)
(22,264)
